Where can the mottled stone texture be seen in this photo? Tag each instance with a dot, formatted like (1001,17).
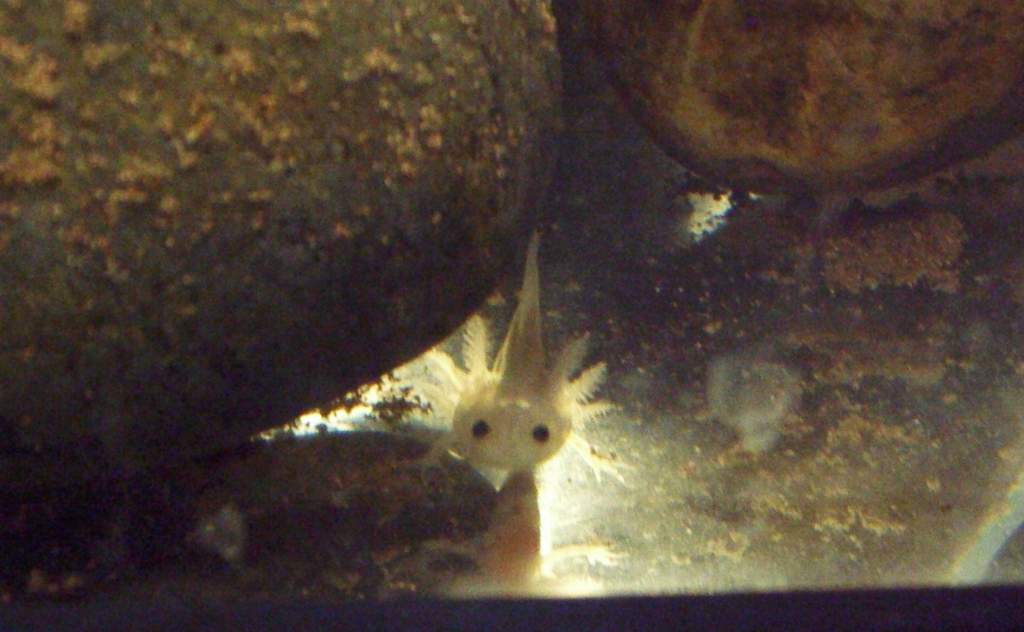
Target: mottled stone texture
(816,94)
(217,215)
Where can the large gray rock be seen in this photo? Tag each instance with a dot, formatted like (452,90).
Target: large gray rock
(215,216)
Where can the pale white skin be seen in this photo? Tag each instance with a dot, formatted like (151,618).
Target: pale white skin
(509,557)
(516,413)
(491,430)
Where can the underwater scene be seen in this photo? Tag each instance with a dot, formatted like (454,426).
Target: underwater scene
(581,298)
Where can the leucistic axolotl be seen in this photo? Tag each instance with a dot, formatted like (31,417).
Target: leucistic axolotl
(517,412)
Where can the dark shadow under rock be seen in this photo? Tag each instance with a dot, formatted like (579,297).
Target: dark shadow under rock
(319,516)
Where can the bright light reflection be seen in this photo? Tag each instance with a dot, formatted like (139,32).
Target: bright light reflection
(1003,520)
(337,420)
(709,213)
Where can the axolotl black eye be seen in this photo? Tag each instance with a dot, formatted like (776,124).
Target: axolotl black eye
(481,428)
(541,433)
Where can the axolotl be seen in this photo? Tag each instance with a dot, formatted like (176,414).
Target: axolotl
(517,412)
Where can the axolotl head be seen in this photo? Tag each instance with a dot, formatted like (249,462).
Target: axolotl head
(507,433)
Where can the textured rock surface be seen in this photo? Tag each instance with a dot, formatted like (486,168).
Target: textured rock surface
(809,94)
(217,215)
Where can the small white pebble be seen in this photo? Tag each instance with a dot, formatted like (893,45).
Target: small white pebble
(224,533)
(751,395)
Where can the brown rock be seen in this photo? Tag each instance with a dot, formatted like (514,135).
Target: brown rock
(798,94)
